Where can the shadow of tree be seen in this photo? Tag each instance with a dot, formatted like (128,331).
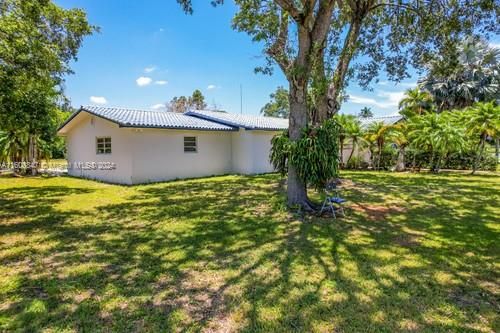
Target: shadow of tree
(222,254)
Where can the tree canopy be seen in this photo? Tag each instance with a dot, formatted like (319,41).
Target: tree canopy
(278,106)
(182,104)
(38,40)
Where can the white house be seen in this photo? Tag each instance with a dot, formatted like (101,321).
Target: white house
(130,146)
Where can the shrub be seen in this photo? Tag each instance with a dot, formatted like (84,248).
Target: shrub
(315,155)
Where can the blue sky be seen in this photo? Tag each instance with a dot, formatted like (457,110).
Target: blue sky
(149,51)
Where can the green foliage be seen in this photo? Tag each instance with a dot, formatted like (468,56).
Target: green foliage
(38,40)
(279,106)
(182,104)
(415,102)
(315,155)
(473,76)
(365,112)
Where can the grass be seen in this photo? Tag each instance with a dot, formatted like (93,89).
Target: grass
(417,252)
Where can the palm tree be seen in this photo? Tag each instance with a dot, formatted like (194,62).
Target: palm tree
(399,136)
(439,134)
(475,77)
(377,132)
(482,121)
(354,132)
(415,102)
(449,137)
(420,133)
(13,146)
(365,112)
(345,121)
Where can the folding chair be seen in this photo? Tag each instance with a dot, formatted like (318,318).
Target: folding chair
(333,198)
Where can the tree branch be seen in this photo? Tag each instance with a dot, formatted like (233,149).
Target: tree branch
(278,49)
(291,9)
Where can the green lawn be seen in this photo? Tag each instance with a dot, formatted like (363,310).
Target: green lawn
(417,252)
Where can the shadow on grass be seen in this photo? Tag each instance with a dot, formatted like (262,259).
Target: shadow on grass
(222,254)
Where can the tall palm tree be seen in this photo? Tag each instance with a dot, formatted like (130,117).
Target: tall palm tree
(345,121)
(439,134)
(415,102)
(365,112)
(482,121)
(354,133)
(13,146)
(420,133)
(475,78)
(377,133)
(448,137)
(398,134)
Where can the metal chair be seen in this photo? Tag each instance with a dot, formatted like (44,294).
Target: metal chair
(333,201)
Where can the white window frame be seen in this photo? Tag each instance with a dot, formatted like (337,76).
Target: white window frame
(105,145)
(189,146)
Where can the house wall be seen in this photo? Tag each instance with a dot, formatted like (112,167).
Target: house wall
(81,147)
(158,154)
(250,151)
(151,155)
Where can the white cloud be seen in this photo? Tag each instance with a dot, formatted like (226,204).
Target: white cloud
(393,98)
(161,82)
(387,99)
(159,107)
(98,100)
(211,87)
(495,45)
(143,81)
(150,69)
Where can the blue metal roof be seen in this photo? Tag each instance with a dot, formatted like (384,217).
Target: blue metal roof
(244,121)
(152,119)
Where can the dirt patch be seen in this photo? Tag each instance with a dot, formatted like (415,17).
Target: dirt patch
(466,299)
(407,240)
(376,212)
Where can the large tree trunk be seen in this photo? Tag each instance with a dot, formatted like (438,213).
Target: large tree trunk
(296,189)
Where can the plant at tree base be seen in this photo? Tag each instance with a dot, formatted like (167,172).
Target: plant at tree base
(482,121)
(315,155)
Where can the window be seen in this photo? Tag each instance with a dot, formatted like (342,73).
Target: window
(103,145)
(190,145)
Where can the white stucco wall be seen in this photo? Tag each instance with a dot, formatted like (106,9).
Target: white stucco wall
(158,154)
(81,147)
(151,155)
(251,150)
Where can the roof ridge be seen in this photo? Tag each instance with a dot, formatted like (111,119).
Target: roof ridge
(128,109)
(238,114)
